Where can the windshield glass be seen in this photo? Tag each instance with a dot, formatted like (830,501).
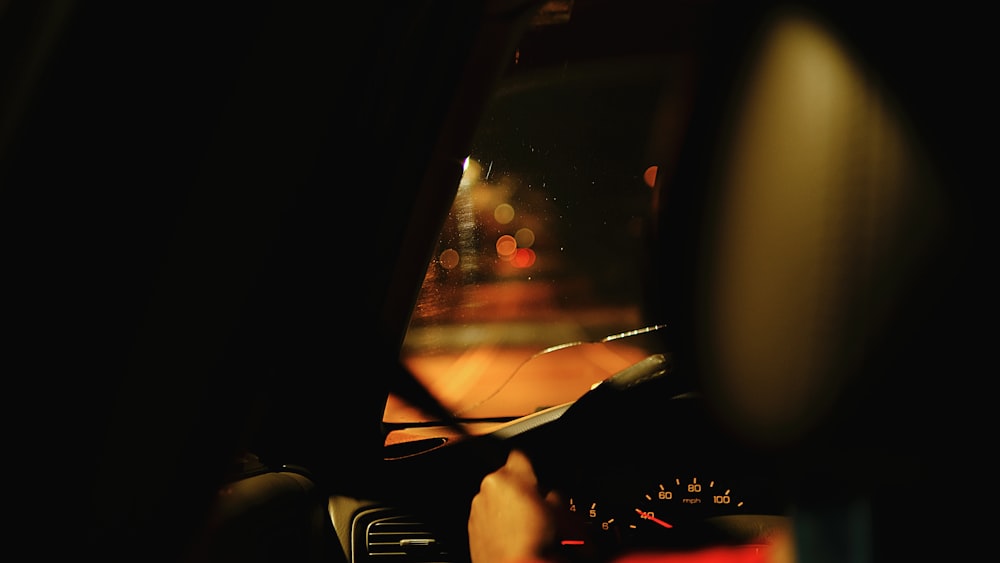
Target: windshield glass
(546,242)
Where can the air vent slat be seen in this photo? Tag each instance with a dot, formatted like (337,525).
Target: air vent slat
(403,537)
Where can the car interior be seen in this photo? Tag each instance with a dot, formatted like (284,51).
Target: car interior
(289,280)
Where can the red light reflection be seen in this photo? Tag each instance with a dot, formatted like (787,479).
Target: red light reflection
(524,258)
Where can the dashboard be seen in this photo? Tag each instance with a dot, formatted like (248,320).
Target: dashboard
(638,462)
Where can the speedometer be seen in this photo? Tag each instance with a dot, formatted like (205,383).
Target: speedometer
(681,512)
(675,507)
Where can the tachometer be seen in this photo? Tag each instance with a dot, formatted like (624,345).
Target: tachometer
(599,529)
(594,517)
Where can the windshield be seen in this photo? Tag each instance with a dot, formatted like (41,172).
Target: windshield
(546,242)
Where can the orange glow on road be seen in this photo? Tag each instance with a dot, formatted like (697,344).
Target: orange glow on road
(464,380)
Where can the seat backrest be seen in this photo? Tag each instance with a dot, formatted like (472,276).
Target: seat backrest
(814,263)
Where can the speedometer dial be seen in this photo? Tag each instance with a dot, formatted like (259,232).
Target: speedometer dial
(674,507)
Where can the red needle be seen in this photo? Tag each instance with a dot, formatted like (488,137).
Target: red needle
(649,516)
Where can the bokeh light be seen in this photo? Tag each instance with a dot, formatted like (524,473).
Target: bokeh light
(503,213)
(649,176)
(523,258)
(448,258)
(525,237)
(506,247)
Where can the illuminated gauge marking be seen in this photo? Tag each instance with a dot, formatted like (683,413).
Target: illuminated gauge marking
(600,530)
(690,492)
(682,500)
(595,519)
(652,518)
(722,499)
(656,509)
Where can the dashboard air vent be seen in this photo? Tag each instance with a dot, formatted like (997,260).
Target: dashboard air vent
(384,535)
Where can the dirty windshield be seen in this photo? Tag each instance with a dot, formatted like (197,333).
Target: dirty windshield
(546,242)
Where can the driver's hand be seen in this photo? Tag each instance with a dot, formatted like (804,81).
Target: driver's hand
(509,520)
